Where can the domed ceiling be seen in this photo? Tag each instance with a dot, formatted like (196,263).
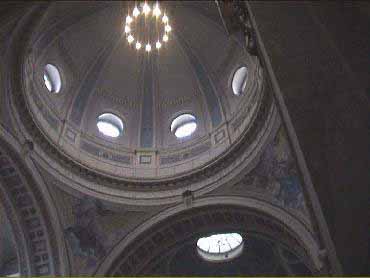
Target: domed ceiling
(100,72)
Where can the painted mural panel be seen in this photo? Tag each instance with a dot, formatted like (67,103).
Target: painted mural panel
(276,176)
(92,228)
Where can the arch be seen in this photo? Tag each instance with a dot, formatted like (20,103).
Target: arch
(299,229)
(26,197)
(17,233)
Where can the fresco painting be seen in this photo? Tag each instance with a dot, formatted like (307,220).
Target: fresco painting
(95,228)
(277,174)
(85,237)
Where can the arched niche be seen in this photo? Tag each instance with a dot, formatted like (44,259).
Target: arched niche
(175,226)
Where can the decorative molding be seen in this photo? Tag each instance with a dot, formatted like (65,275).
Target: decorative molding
(186,155)
(133,254)
(38,244)
(121,100)
(246,147)
(17,231)
(99,152)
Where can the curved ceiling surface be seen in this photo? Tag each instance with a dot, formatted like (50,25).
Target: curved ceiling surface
(101,73)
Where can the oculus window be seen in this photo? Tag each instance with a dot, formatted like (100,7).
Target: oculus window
(184,125)
(110,125)
(220,247)
(239,81)
(52,79)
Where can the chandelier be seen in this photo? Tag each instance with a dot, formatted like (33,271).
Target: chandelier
(147,27)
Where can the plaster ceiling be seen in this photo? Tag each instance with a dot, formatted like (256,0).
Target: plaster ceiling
(100,73)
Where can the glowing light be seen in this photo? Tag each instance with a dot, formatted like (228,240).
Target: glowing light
(220,247)
(220,243)
(110,125)
(128,19)
(108,129)
(165,18)
(185,130)
(52,79)
(239,82)
(183,125)
(136,12)
(130,39)
(48,82)
(156,11)
(167,28)
(146,8)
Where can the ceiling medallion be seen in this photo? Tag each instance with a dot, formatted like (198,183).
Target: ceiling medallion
(146,27)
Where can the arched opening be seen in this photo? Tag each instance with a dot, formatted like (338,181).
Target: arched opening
(174,244)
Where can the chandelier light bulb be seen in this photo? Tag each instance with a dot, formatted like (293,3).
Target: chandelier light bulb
(167,28)
(146,8)
(136,12)
(161,21)
(128,19)
(130,39)
(165,18)
(156,10)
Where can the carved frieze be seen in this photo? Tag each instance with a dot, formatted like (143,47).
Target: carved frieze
(25,197)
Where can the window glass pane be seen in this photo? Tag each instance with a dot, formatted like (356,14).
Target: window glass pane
(183,125)
(240,80)
(220,247)
(110,125)
(52,78)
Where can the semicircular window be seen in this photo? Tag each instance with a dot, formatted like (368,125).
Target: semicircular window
(184,125)
(240,81)
(110,125)
(220,247)
(52,78)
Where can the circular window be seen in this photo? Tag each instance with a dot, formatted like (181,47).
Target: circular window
(110,125)
(220,247)
(52,78)
(240,80)
(184,125)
